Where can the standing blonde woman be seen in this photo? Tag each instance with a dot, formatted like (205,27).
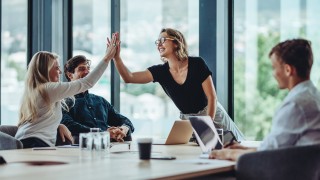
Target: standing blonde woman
(40,111)
(186,80)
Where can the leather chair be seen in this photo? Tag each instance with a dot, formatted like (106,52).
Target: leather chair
(7,140)
(302,162)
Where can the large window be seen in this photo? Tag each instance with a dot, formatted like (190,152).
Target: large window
(149,108)
(13,57)
(258,26)
(91,27)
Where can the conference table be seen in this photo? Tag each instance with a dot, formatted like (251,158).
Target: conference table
(122,163)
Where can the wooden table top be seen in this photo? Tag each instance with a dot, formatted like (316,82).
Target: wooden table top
(122,163)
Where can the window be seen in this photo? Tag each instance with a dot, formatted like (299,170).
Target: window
(13,58)
(91,27)
(258,26)
(148,107)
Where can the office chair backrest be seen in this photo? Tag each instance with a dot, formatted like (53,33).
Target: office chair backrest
(9,142)
(301,162)
(9,129)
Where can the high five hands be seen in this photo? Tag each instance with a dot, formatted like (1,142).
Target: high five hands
(115,43)
(112,46)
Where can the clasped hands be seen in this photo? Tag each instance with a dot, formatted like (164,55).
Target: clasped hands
(118,133)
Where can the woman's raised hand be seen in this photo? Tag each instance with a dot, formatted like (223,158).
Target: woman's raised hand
(118,42)
(111,48)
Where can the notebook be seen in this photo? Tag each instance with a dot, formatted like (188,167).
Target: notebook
(205,133)
(180,133)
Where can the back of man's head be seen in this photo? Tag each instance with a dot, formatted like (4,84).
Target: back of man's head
(297,53)
(73,63)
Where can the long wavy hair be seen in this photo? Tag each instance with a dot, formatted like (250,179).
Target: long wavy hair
(181,51)
(37,76)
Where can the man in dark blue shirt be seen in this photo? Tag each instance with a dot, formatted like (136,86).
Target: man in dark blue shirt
(92,111)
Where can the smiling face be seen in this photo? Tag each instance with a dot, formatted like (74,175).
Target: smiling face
(280,71)
(166,46)
(54,73)
(82,70)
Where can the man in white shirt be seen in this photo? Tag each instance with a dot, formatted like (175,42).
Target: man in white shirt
(297,121)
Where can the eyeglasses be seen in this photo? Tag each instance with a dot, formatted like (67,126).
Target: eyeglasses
(162,40)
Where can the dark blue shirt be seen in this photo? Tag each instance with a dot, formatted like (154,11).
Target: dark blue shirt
(189,97)
(92,111)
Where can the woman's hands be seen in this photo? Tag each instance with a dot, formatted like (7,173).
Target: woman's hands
(118,42)
(65,133)
(111,47)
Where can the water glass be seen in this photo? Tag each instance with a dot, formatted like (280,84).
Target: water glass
(105,144)
(94,145)
(85,145)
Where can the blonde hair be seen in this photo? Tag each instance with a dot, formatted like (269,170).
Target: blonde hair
(37,76)
(182,48)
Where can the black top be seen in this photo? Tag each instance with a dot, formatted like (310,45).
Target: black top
(92,111)
(189,97)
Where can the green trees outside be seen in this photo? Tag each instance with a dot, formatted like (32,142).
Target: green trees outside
(254,118)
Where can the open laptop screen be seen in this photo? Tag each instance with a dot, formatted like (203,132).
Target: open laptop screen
(205,132)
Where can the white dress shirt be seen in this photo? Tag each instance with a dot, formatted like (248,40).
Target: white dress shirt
(297,121)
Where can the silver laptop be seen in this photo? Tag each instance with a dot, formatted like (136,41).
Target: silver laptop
(180,133)
(205,133)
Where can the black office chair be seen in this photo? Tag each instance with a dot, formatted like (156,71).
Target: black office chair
(301,162)
(9,129)
(8,142)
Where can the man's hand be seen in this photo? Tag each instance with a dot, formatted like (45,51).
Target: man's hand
(124,129)
(225,154)
(230,154)
(116,133)
(118,42)
(65,133)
